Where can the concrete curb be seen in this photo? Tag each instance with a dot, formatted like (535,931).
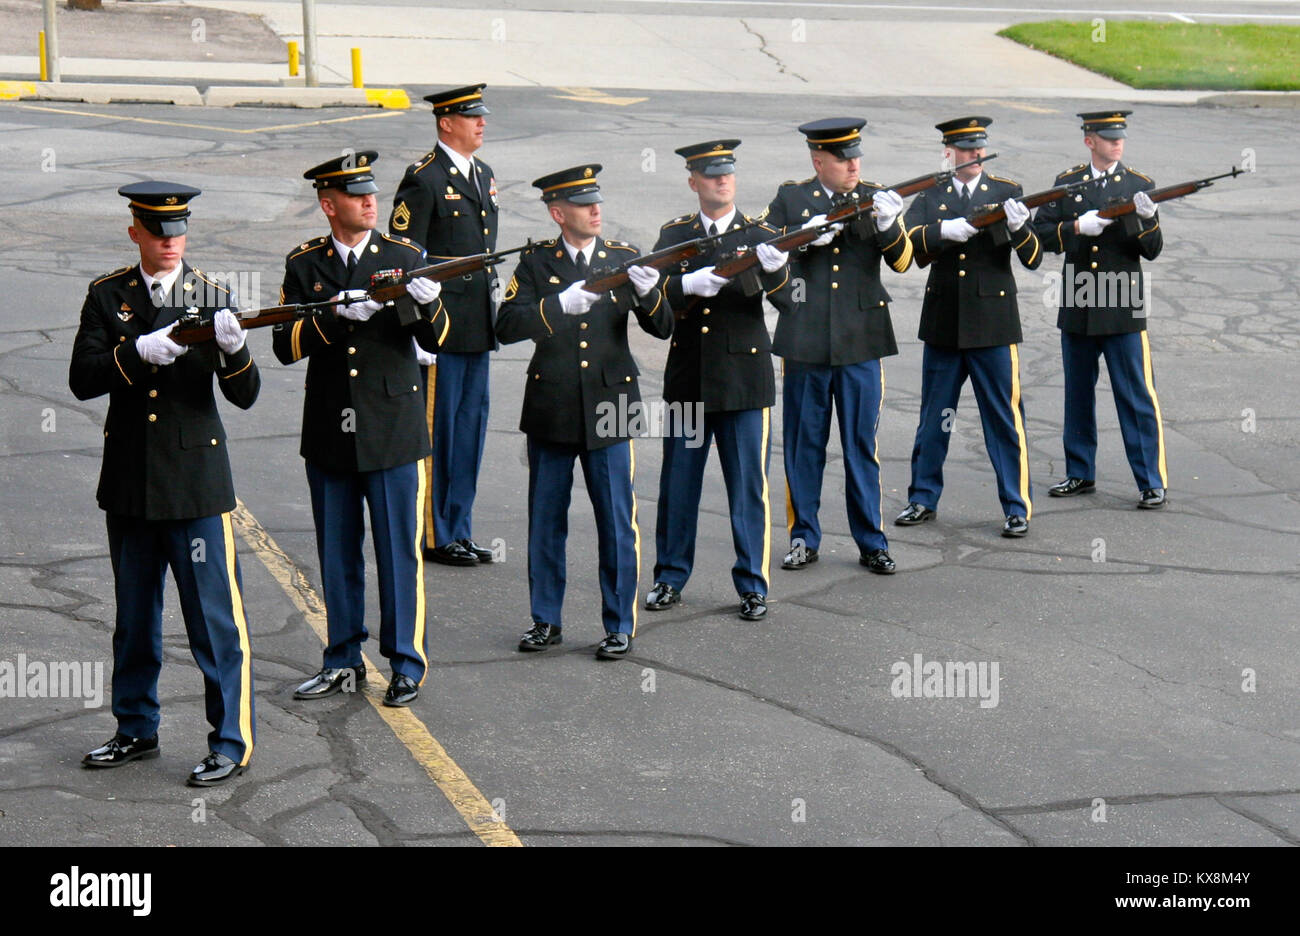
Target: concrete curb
(187,95)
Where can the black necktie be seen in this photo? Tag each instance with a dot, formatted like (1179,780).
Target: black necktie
(713,229)
(352,262)
(156,294)
(965,199)
(580,260)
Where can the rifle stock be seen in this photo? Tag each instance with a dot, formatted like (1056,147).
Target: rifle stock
(191,328)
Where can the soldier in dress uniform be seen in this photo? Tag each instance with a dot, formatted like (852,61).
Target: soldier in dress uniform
(363,428)
(833,340)
(447,203)
(970,324)
(1103,310)
(720,361)
(165,485)
(580,399)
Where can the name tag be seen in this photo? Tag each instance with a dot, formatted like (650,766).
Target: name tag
(452,197)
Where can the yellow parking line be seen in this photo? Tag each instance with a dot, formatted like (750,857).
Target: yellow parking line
(460,791)
(195,126)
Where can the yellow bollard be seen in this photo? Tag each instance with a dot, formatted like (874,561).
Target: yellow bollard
(293,59)
(356,69)
(45,65)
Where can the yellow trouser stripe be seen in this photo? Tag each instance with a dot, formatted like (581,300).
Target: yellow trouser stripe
(1160,423)
(295,340)
(767,500)
(1020,431)
(245,651)
(636,536)
(875,449)
(430,534)
(419,573)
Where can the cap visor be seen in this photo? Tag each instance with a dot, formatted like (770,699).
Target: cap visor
(478,110)
(585,198)
(848,152)
(971,144)
(1116,133)
(719,169)
(367,187)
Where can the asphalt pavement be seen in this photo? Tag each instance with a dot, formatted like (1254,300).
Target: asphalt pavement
(1147,661)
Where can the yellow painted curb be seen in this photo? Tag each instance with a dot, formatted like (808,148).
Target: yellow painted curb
(13,90)
(388,97)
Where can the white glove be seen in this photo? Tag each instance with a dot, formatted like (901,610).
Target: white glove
(1090,225)
(230,337)
(423,291)
(423,357)
(157,348)
(958,230)
(577,301)
(886,206)
(771,259)
(828,236)
(703,282)
(1017,214)
(643,279)
(1144,206)
(358,310)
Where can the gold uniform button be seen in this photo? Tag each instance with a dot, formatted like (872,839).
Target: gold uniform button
(1093,265)
(1094,248)
(961,256)
(214,441)
(835,268)
(152,394)
(583,364)
(583,326)
(353,372)
(121,338)
(835,285)
(352,328)
(483,214)
(627,380)
(706,311)
(835,250)
(352,350)
(674,345)
(1002,292)
(961,272)
(882,302)
(153,417)
(537,376)
(415,387)
(485,231)
(704,330)
(753,350)
(582,344)
(154,369)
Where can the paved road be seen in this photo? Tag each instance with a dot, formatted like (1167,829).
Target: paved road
(1120,680)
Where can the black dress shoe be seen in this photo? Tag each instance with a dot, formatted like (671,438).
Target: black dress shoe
(402,691)
(1015,526)
(614,647)
(540,637)
(914,514)
(1152,499)
(1072,486)
(878,561)
(799,557)
(479,553)
(662,596)
(753,606)
(453,554)
(213,769)
(329,681)
(121,750)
